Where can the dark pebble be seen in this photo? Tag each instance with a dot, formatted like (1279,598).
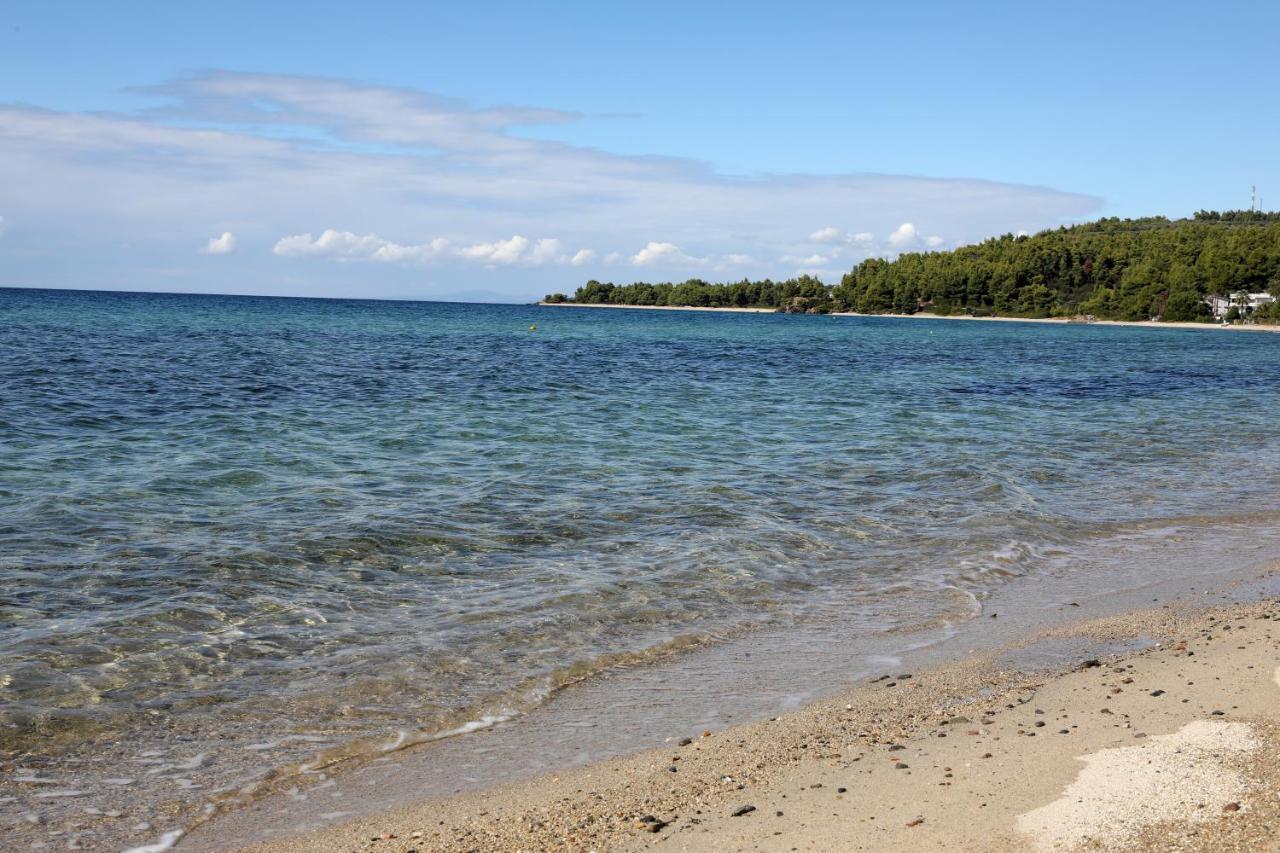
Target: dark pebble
(1157,692)
(685,741)
(741,810)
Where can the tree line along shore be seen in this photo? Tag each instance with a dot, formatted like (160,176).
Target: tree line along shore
(1213,267)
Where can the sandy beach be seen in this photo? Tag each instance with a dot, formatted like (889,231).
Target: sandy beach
(1149,324)
(1174,745)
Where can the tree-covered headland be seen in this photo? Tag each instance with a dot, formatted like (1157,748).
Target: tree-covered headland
(1112,269)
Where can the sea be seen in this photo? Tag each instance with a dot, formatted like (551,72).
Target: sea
(245,539)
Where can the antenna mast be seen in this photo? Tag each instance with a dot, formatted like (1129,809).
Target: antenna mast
(1253,199)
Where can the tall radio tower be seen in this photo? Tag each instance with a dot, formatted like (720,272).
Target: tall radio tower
(1253,199)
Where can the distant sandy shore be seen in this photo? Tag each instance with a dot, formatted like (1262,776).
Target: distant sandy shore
(1176,746)
(660,307)
(1149,324)
(925,316)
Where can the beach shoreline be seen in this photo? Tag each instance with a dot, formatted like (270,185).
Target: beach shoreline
(989,743)
(659,307)
(1142,324)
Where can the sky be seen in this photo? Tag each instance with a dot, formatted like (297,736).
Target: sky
(499,151)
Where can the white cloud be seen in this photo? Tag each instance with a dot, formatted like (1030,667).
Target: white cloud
(582,256)
(813,260)
(903,234)
(276,152)
(499,252)
(346,246)
(224,245)
(656,252)
(547,251)
(835,237)
(907,236)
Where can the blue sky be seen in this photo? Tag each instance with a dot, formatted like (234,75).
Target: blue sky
(487,150)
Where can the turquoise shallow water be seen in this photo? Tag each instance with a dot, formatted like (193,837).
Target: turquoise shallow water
(236,521)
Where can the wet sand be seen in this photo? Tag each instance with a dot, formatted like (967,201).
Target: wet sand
(1173,747)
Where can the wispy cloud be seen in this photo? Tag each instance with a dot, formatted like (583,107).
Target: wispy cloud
(445,182)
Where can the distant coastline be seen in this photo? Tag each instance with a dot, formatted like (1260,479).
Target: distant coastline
(658,307)
(1150,324)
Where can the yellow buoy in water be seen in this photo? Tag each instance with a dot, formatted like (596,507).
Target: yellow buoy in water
(533,327)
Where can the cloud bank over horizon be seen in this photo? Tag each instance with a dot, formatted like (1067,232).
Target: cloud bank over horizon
(306,179)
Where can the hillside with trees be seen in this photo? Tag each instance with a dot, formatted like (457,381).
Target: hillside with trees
(1113,269)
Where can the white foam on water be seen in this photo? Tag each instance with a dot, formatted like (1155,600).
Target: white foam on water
(165,842)
(409,737)
(279,742)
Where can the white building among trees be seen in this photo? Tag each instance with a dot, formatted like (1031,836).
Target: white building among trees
(1246,303)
